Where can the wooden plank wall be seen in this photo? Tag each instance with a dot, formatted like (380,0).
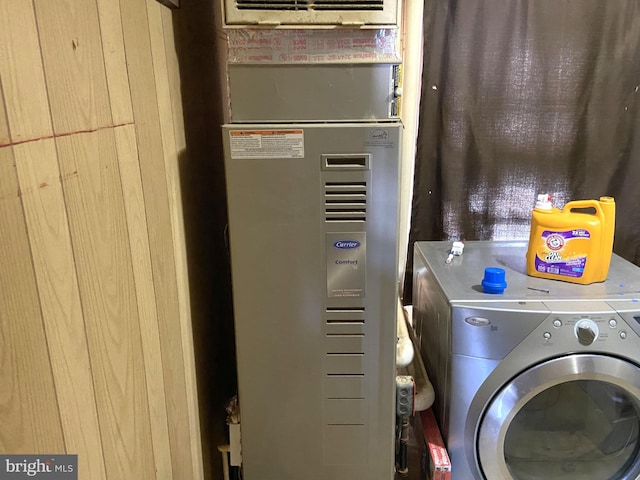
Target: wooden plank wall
(96,347)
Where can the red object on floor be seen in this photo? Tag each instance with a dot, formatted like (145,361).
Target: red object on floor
(436,464)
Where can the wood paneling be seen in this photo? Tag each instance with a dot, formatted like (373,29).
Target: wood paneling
(146,295)
(172,122)
(74,68)
(165,67)
(21,74)
(29,418)
(115,61)
(96,352)
(144,96)
(53,260)
(105,275)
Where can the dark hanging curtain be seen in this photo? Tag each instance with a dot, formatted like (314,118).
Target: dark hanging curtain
(525,97)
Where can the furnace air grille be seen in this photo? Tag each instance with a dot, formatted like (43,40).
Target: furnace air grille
(319,13)
(296,5)
(365,5)
(346,409)
(345,345)
(345,201)
(273,5)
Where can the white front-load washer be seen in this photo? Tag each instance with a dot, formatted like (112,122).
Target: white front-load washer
(539,382)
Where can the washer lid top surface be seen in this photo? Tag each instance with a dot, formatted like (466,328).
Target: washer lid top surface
(461,278)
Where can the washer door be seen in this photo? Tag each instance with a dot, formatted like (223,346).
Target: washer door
(573,417)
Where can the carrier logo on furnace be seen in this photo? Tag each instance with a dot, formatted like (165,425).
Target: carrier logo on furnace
(346,244)
(346,264)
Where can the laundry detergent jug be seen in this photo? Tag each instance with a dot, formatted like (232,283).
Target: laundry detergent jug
(573,244)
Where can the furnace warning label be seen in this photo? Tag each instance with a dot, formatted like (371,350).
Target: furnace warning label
(266,144)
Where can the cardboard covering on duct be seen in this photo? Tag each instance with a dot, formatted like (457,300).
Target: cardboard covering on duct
(313,46)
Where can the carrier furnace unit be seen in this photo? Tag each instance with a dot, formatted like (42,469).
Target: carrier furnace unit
(312,161)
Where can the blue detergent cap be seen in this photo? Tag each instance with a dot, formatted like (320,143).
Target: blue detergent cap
(493,281)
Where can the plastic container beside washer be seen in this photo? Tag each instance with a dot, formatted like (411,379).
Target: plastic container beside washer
(573,244)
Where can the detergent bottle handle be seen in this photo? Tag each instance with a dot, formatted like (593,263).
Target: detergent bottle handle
(582,204)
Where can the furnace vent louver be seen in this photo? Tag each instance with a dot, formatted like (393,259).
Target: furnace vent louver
(345,201)
(345,342)
(353,5)
(311,12)
(273,5)
(363,5)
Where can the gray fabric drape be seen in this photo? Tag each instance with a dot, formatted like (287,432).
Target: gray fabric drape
(520,98)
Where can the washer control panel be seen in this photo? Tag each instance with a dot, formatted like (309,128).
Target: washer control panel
(584,329)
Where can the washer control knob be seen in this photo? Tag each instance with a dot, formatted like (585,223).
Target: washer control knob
(557,323)
(613,323)
(586,331)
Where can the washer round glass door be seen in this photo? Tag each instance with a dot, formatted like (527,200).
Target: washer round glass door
(573,417)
